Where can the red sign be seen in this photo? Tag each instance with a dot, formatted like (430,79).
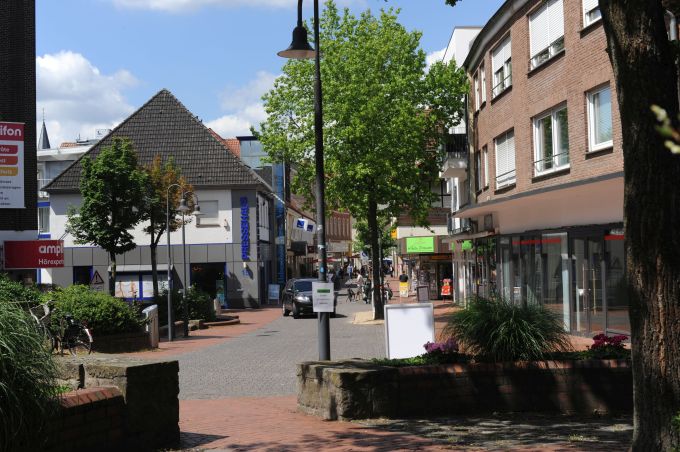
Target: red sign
(9,149)
(12,131)
(34,254)
(9,160)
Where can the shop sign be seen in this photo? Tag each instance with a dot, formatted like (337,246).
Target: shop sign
(420,244)
(34,254)
(12,166)
(245,229)
(466,245)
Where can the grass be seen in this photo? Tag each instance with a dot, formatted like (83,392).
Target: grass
(27,381)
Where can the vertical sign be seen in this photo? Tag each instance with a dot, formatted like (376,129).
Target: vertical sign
(11,165)
(245,229)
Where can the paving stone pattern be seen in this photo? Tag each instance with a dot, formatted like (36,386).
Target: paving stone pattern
(263,362)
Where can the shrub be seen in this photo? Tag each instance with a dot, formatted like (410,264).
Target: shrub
(12,291)
(103,313)
(608,347)
(200,305)
(502,331)
(27,381)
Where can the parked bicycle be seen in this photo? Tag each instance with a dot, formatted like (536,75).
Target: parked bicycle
(73,335)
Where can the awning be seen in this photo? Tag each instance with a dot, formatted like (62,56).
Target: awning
(137,268)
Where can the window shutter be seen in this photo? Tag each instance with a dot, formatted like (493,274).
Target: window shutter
(500,54)
(556,20)
(500,155)
(511,150)
(539,30)
(589,5)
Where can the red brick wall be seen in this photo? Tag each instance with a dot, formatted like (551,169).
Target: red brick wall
(584,65)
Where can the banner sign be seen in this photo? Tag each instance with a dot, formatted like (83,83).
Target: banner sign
(34,254)
(245,229)
(12,165)
(420,245)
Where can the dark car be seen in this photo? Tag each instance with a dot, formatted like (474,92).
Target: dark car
(297,297)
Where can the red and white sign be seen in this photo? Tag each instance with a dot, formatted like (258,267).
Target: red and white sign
(12,165)
(34,254)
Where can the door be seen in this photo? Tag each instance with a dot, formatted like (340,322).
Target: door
(587,295)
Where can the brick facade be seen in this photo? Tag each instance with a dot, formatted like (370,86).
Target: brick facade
(565,79)
(17,100)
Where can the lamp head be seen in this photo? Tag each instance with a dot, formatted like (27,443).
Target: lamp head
(183,207)
(197,211)
(299,49)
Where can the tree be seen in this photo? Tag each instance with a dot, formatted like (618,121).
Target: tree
(160,177)
(383,119)
(646,73)
(113,189)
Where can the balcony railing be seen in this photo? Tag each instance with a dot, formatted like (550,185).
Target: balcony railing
(551,163)
(458,225)
(456,146)
(505,179)
(544,55)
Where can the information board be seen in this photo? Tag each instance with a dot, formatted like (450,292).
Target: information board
(11,165)
(274,290)
(322,296)
(407,328)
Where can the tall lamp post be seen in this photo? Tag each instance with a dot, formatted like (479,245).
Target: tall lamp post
(184,209)
(300,49)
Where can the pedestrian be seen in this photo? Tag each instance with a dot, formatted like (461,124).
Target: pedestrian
(350,271)
(403,277)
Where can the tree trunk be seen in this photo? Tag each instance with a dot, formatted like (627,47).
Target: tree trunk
(375,256)
(645,74)
(112,275)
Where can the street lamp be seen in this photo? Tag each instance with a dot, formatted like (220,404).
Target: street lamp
(167,229)
(184,209)
(300,49)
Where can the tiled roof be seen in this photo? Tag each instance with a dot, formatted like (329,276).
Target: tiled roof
(234,146)
(164,126)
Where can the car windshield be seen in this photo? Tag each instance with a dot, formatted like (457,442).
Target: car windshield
(303,286)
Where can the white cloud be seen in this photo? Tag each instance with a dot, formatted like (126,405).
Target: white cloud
(77,97)
(243,106)
(433,57)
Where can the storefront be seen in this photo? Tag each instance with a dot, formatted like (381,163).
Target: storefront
(429,262)
(578,273)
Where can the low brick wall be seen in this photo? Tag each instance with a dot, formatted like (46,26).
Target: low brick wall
(357,389)
(88,419)
(122,343)
(150,391)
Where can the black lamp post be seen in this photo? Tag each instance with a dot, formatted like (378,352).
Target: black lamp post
(300,49)
(185,209)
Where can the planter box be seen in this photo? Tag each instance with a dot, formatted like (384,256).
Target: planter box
(121,343)
(358,389)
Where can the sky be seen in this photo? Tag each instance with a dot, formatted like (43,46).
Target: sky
(99,60)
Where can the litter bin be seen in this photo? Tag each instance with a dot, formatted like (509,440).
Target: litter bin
(151,315)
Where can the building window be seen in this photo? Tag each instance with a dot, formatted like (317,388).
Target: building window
(591,12)
(551,141)
(485,153)
(43,220)
(478,95)
(600,119)
(478,171)
(482,81)
(209,214)
(502,67)
(505,159)
(546,30)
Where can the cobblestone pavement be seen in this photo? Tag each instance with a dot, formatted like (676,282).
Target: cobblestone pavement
(263,362)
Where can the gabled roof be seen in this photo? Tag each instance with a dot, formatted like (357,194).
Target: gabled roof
(163,126)
(44,141)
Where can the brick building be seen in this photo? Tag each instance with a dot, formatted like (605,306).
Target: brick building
(544,219)
(17,104)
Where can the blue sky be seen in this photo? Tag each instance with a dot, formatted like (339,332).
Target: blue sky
(99,60)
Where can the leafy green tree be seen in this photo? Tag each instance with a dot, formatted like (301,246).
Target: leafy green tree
(113,190)
(383,119)
(645,65)
(161,176)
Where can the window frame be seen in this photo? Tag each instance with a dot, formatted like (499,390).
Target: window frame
(510,181)
(586,12)
(555,141)
(538,57)
(590,98)
(477,92)
(485,152)
(504,80)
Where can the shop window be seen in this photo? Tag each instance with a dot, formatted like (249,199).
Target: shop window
(617,297)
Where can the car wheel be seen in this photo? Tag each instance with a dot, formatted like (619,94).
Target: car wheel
(296,311)
(285,311)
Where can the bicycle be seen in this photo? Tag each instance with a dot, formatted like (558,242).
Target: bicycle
(42,314)
(73,335)
(351,295)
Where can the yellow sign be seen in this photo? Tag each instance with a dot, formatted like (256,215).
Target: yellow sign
(8,171)
(393,233)
(403,289)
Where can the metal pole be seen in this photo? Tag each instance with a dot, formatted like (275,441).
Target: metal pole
(167,230)
(324,317)
(185,313)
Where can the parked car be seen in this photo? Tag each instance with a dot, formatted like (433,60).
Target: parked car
(297,297)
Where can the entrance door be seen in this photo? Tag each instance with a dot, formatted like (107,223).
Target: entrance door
(587,295)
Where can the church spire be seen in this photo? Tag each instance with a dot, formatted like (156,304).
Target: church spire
(44,141)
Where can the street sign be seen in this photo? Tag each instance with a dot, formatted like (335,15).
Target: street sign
(97,283)
(322,296)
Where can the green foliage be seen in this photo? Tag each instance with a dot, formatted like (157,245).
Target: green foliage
(426,359)
(502,331)
(667,130)
(363,239)
(199,303)
(383,115)
(12,292)
(27,381)
(103,313)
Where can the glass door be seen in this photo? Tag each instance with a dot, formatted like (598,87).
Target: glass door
(588,309)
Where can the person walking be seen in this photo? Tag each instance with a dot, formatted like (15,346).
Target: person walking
(403,277)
